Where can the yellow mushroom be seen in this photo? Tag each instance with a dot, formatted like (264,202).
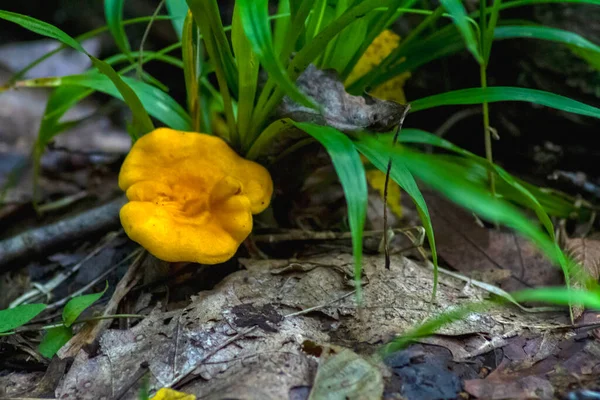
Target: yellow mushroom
(191,197)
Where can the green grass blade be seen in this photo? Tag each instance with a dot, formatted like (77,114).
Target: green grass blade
(208,18)
(113,12)
(282,26)
(545,33)
(41,28)
(469,191)
(351,173)
(221,59)
(189,53)
(312,50)
(248,65)
(554,204)
(459,15)
(345,46)
(177,9)
(315,21)
(95,32)
(158,103)
(432,325)
(488,34)
(521,3)
(299,12)
(505,93)
(267,136)
(141,120)
(142,123)
(255,19)
(561,296)
(404,178)
(376,23)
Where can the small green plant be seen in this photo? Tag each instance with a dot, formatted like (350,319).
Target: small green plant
(328,35)
(56,335)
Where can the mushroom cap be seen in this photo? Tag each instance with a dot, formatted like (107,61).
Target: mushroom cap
(191,197)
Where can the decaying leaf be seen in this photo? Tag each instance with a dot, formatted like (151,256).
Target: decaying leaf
(339,109)
(346,375)
(497,256)
(586,252)
(246,335)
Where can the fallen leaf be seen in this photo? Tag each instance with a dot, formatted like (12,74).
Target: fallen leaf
(376,179)
(586,252)
(529,387)
(339,109)
(500,256)
(313,300)
(346,375)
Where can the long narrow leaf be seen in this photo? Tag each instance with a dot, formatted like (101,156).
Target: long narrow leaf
(190,69)
(505,93)
(255,19)
(552,203)
(113,12)
(468,191)
(159,104)
(282,25)
(545,33)
(208,20)
(313,49)
(142,122)
(404,178)
(351,173)
(248,65)
(177,9)
(459,15)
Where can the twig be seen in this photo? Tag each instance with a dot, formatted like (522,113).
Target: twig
(37,328)
(179,378)
(385,189)
(42,241)
(144,38)
(64,300)
(48,287)
(142,370)
(311,309)
(301,234)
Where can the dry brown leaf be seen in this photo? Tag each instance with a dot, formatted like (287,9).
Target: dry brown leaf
(311,300)
(339,109)
(488,254)
(586,252)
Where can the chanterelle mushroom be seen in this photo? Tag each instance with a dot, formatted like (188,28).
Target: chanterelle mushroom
(191,197)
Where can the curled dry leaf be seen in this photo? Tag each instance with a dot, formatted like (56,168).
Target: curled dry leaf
(586,252)
(339,109)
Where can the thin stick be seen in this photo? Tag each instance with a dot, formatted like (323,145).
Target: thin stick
(64,300)
(145,37)
(385,190)
(179,378)
(62,276)
(42,241)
